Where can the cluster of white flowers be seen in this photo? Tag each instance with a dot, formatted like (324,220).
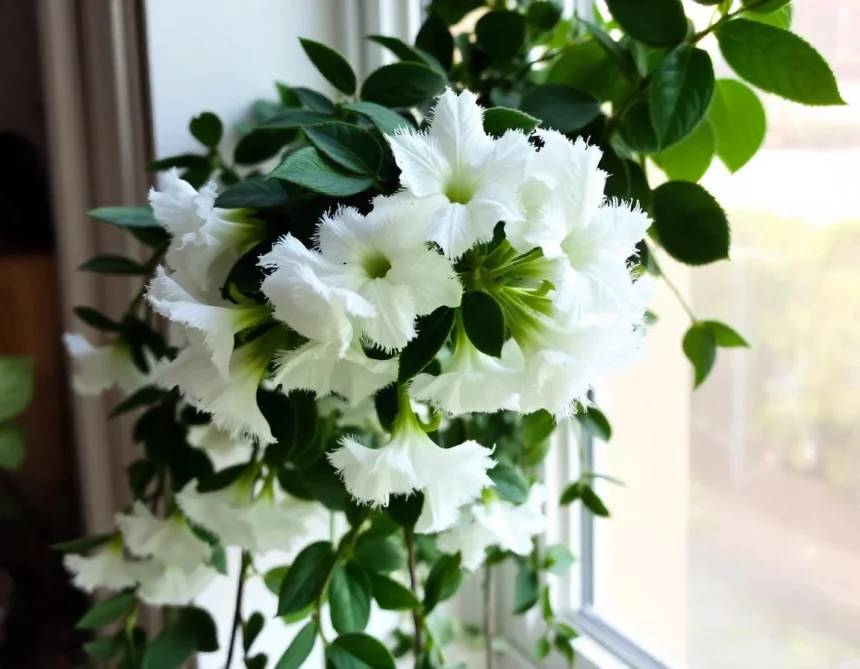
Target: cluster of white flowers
(572,308)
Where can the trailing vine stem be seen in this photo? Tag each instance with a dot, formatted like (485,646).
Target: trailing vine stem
(487,614)
(409,537)
(237,613)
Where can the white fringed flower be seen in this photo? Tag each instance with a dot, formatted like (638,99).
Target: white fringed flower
(98,368)
(170,540)
(223,512)
(306,294)
(232,404)
(206,241)
(384,258)
(467,179)
(223,450)
(410,462)
(169,585)
(496,523)
(472,381)
(279,521)
(216,324)
(320,369)
(105,568)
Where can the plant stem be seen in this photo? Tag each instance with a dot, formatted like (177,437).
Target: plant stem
(409,536)
(490,658)
(675,291)
(237,615)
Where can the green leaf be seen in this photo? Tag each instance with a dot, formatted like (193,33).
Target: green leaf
(778,62)
(16,386)
(357,651)
(452,11)
(349,599)
(544,14)
(184,161)
(137,216)
(433,331)
(526,588)
(443,581)
(571,493)
(348,146)
(509,483)
(201,626)
(760,7)
(402,84)
(681,92)
(587,66)
(139,398)
(405,52)
(565,648)
(306,578)
(206,129)
(435,38)
(738,119)
(82,545)
(379,555)
(545,600)
(140,474)
(689,159)
(724,336)
(274,578)
(593,420)
(498,120)
(780,18)
(94,318)
(107,647)
(484,322)
(404,510)
(560,107)
(541,649)
(261,144)
(313,100)
(592,502)
(391,595)
(700,347)
(111,263)
(537,426)
(290,119)
(12,447)
(221,479)
(307,168)
(385,120)
(251,629)
(258,661)
(299,649)
(653,22)
(256,193)
(637,129)
(107,610)
(501,33)
(331,65)
(690,223)
(557,559)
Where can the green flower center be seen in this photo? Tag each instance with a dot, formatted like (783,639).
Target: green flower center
(459,192)
(377,266)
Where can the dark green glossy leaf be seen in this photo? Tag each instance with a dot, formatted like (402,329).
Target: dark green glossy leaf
(274,578)
(111,263)
(443,581)
(690,223)
(681,92)
(738,119)
(383,555)
(139,398)
(207,129)
(136,216)
(107,647)
(385,120)
(501,33)
(484,322)
(404,510)
(593,420)
(592,502)
(261,144)
(537,426)
(637,129)
(766,7)
(544,14)
(82,545)
(778,61)
(391,595)
(404,51)
(251,629)
(290,119)
(509,483)
(653,22)
(96,319)
(700,347)
(498,120)
(725,336)
(313,100)
(12,448)
(256,193)
(183,161)
(307,168)
(348,146)
(560,107)
(526,588)
(571,493)
(586,66)
(452,11)
(306,578)
(433,331)
(331,65)
(108,610)
(357,651)
(349,599)
(402,84)
(435,38)
(299,649)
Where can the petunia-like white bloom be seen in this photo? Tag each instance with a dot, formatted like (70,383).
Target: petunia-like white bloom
(170,540)
(410,462)
(223,449)
(206,240)
(320,368)
(105,568)
(98,368)
(279,521)
(214,324)
(587,239)
(467,180)
(306,294)
(385,259)
(496,523)
(232,404)
(223,512)
(472,381)
(169,585)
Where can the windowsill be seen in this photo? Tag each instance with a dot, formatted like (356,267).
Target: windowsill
(589,655)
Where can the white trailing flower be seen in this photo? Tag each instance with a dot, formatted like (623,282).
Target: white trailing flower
(206,240)
(169,585)
(279,521)
(384,258)
(466,179)
(223,512)
(496,523)
(99,368)
(322,369)
(105,568)
(214,324)
(232,404)
(170,540)
(223,449)
(306,294)
(411,462)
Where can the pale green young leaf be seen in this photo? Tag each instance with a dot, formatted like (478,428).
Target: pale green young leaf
(689,159)
(739,122)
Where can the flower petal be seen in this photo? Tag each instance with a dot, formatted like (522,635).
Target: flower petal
(423,168)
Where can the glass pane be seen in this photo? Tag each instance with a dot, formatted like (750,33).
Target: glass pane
(736,542)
